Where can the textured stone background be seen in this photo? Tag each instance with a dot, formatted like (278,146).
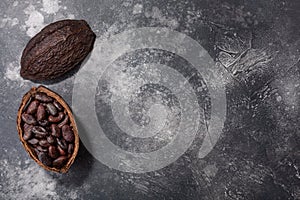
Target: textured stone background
(258,154)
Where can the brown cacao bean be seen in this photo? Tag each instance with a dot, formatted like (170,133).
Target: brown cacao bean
(70,149)
(27,132)
(55,131)
(28,119)
(57,118)
(41,149)
(53,152)
(67,133)
(41,113)
(43,97)
(52,109)
(39,132)
(32,108)
(44,143)
(45,159)
(64,122)
(61,151)
(58,162)
(33,141)
(50,139)
(57,105)
(62,143)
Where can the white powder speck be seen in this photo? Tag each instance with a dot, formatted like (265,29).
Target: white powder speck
(3,22)
(278,98)
(15,3)
(288,91)
(73,195)
(10,22)
(138,8)
(59,16)
(50,6)
(35,21)
(210,170)
(158,15)
(71,16)
(14,22)
(12,72)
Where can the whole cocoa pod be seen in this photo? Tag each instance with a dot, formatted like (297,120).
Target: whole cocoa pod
(56,49)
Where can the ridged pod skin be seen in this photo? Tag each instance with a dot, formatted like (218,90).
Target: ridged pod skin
(56,49)
(67,111)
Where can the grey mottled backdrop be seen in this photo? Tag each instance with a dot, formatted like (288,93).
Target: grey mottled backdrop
(258,154)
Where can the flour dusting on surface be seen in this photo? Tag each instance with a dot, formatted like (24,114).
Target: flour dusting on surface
(211,170)
(50,6)
(71,16)
(27,180)
(26,183)
(157,14)
(12,72)
(15,3)
(9,22)
(138,8)
(288,89)
(35,21)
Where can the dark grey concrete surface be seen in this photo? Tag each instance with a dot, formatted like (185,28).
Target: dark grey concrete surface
(258,153)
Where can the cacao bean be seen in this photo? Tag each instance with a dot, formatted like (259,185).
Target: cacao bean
(62,143)
(70,149)
(27,132)
(64,122)
(67,133)
(50,139)
(39,132)
(32,108)
(33,141)
(61,151)
(57,105)
(52,109)
(41,149)
(53,152)
(60,161)
(28,119)
(43,97)
(55,131)
(45,159)
(41,113)
(57,118)
(44,143)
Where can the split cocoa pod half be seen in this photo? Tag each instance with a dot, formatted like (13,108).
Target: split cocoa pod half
(47,129)
(56,49)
